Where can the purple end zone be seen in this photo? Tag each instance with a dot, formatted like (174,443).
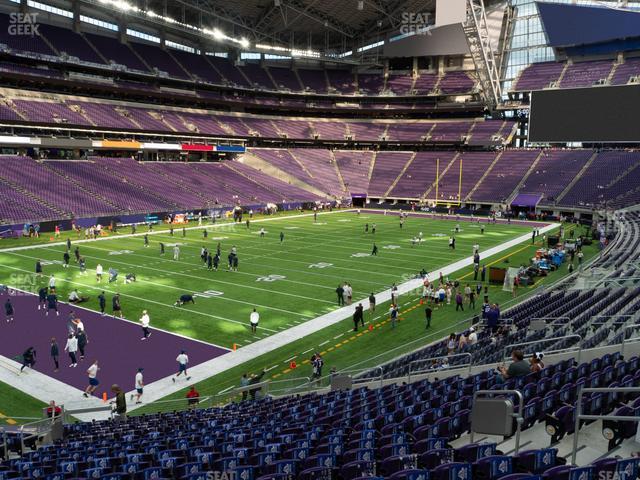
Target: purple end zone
(114,343)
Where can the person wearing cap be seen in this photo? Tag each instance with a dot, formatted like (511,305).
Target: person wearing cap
(182,360)
(472,338)
(144,322)
(139,386)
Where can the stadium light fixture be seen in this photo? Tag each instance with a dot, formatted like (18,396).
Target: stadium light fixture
(290,51)
(216,33)
(121,5)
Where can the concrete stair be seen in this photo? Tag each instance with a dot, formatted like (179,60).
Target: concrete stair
(404,169)
(582,171)
(482,178)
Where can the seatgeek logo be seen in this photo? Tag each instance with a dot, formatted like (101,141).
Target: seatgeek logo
(613,476)
(414,23)
(218,475)
(23,24)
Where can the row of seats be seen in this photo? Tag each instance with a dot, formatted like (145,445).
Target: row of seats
(397,431)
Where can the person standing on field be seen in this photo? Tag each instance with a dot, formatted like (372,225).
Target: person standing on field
(340,293)
(139,386)
(54,351)
(144,322)
(9,310)
(254,319)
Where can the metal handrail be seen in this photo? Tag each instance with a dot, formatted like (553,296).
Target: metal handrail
(612,316)
(449,367)
(517,415)
(551,318)
(579,416)
(510,348)
(306,383)
(359,371)
(319,382)
(34,429)
(181,404)
(624,337)
(102,408)
(591,323)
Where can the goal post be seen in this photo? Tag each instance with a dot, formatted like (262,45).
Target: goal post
(447,201)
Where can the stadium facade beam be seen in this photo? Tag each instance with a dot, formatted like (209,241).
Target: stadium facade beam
(393,12)
(307,11)
(204,7)
(483,53)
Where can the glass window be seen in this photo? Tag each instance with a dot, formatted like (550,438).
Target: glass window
(49,8)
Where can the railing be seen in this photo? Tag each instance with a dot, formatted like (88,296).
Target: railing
(508,349)
(440,367)
(556,320)
(294,385)
(606,322)
(356,378)
(34,430)
(69,411)
(401,351)
(312,384)
(175,405)
(624,337)
(579,416)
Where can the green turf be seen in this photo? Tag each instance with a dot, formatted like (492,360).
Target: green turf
(382,344)
(306,291)
(17,408)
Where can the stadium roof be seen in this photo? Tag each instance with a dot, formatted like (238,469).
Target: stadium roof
(325,25)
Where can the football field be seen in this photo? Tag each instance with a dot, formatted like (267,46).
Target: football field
(288,281)
(291,283)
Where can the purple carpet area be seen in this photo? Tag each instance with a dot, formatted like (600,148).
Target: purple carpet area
(116,344)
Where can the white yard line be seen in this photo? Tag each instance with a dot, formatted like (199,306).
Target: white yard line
(197,277)
(161,232)
(170,305)
(222,297)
